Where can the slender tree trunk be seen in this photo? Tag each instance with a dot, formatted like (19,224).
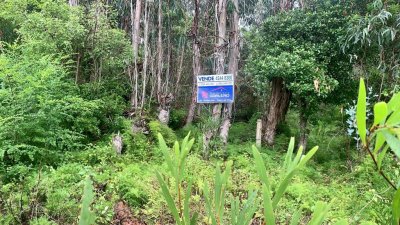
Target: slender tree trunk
(160,53)
(303,118)
(278,105)
(73,2)
(196,63)
(219,69)
(180,68)
(135,23)
(146,54)
(163,98)
(220,50)
(233,68)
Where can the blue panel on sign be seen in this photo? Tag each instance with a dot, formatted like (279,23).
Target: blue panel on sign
(215,94)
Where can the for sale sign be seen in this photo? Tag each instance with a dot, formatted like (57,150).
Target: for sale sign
(215,88)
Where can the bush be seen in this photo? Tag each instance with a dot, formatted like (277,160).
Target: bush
(41,112)
(242,132)
(131,185)
(156,127)
(177,118)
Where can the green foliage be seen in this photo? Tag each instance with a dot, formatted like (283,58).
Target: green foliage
(372,41)
(361,114)
(156,127)
(177,118)
(301,51)
(87,217)
(176,165)
(129,189)
(41,113)
(384,133)
(242,132)
(291,167)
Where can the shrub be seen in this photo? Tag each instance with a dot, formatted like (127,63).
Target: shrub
(156,127)
(131,185)
(177,118)
(242,132)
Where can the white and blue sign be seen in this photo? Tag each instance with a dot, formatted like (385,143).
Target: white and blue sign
(215,88)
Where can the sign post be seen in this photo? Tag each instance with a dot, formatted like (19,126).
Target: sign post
(215,88)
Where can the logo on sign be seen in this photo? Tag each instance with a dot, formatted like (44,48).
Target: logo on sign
(215,88)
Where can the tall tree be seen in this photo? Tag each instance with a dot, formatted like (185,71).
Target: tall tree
(300,55)
(219,64)
(279,98)
(233,68)
(135,35)
(196,61)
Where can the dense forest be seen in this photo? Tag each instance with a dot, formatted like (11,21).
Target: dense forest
(100,121)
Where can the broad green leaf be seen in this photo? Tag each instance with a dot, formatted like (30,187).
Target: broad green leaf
(209,206)
(165,150)
(394,119)
(396,208)
(288,158)
(308,156)
(248,210)
(380,112)
(296,159)
(379,141)
(268,207)
(393,142)
(296,217)
(168,198)
(186,205)
(394,103)
(87,216)
(361,114)
(260,167)
(282,188)
(381,157)
(320,212)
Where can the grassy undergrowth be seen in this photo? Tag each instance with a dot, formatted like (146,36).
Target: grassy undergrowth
(52,195)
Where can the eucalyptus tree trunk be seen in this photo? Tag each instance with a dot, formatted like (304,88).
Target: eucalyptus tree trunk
(146,54)
(135,23)
(196,62)
(233,69)
(220,49)
(278,105)
(163,98)
(303,118)
(219,69)
(73,2)
(180,67)
(159,52)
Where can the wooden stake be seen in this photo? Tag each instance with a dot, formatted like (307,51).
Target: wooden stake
(258,133)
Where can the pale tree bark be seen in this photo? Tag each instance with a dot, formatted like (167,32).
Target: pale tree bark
(146,54)
(196,62)
(303,119)
(73,2)
(180,67)
(233,69)
(78,57)
(163,98)
(135,23)
(219,69)
(220,49)
(278,105)
(159,52)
